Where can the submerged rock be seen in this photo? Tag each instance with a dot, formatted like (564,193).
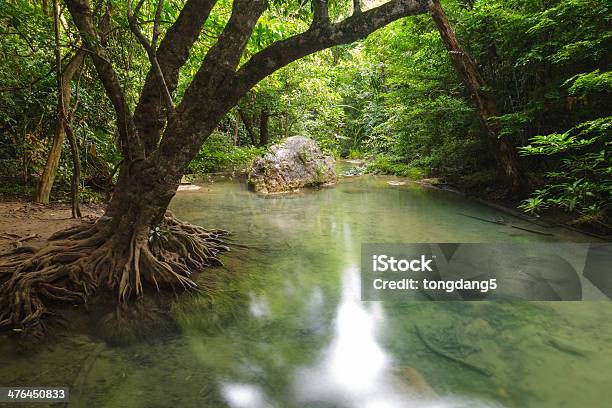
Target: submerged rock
(297,162)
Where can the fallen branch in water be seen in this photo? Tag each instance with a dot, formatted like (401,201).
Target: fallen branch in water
(501,222)
(444,354)
(566,348)
(83,374)
(532,231)
(483,219)
(242,245)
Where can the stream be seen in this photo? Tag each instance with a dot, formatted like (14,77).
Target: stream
(289,329)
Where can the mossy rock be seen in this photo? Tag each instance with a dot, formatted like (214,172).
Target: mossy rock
(291,165)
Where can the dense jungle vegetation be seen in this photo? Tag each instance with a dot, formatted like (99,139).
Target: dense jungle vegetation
(182,284)
(116,101)
(393,99)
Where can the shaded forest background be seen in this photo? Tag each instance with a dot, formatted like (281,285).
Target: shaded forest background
(393,100)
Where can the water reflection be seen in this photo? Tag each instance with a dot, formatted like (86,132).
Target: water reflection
(352,365)
(354,371)
(243,395)
(258,306)
(334,350)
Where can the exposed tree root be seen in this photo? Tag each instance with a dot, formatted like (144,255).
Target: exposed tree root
(93,256)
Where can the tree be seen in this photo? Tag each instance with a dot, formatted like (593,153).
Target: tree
(248,125)
(505,154)
(53,158)
(263,127)
(137,242)
(63,124)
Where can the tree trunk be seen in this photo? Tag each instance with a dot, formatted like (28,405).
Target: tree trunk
(263,127)
(236,128)
(45,7)
(63,123)
(249,126)
(505,153)
(48,177)
(76,171)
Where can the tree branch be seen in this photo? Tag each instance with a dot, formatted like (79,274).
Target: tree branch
(216,73)
(219,65)
(172,54)
(156,22)
(321,12)
(82,16)
(217,87)
(356,6)
(77,95)
(317,38)
(150,49)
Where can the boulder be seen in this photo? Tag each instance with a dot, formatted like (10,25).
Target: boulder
(295,163)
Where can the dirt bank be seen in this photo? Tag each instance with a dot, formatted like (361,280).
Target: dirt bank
(33,223)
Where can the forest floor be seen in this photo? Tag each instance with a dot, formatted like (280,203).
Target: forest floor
(33,223)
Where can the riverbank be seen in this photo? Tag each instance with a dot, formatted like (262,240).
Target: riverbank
(489,194)
(29,223)
(509,206)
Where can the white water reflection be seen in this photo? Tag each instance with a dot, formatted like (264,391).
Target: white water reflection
(258,306)
(355,360)
(242,395)
(354,371)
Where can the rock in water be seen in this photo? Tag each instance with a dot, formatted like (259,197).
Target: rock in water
(297,162)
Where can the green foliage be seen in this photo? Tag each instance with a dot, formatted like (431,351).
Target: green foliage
(589,83)
(355,153)
(548,67)
(583,183)
(28,103)
(219,154)
(385,165)
(27,91)
(585,134)
(394,97)
(400,100)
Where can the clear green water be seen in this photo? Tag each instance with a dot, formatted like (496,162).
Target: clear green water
(290,331)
